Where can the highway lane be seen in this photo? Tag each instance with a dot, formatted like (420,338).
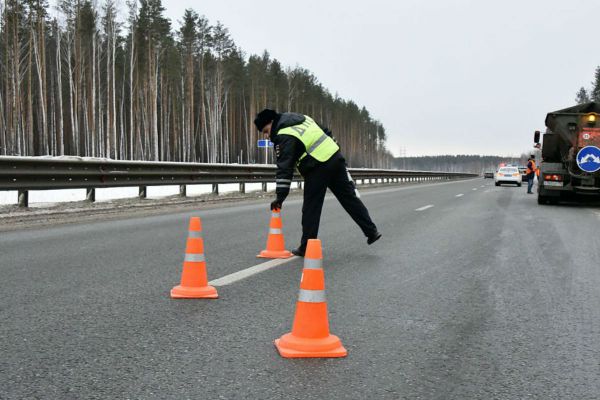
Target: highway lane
(484,295)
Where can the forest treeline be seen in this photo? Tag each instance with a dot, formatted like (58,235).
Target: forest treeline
(461,163)
(82,83)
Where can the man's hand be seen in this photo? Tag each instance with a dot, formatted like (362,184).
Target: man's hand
(276,205)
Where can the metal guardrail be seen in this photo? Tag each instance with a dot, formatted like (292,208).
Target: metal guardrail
(42,173)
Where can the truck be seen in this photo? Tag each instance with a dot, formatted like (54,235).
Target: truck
(570,154)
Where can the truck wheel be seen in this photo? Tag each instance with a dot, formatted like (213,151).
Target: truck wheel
(497,184)
(519,185)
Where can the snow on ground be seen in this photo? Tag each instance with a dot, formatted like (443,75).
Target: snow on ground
(46,198)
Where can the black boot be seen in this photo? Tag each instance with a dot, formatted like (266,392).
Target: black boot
(374,237)
(299,251)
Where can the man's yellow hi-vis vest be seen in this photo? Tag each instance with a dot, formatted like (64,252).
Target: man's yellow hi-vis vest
(320,146)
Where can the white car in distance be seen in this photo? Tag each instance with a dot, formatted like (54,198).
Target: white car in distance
(508,175)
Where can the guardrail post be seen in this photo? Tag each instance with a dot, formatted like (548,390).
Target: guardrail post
(142,192)
(23,196)
(182,191)
(242,187)
(264,186)
(90,194)
(215,188)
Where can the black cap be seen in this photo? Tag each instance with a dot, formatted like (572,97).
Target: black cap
(264,117)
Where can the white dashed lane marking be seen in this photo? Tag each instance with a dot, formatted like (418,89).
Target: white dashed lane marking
(424,207)
(460,195)
(248,272)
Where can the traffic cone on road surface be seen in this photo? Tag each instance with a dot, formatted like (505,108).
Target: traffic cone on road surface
(275,241)
(194,281)
(310,335)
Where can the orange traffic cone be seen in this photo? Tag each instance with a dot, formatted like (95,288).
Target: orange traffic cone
(194,282)
(310,335)
(275,242)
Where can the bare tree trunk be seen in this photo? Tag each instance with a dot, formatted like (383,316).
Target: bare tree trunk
(29,148)
(82,131)
(39,55)
(191,150)
(184,140)
(72,103)
(59,128)
(203,113)
(92,103)
(52,112)
(132,130)
(114,153)
(110,144)
(123,142)
(154,106)
(19,119)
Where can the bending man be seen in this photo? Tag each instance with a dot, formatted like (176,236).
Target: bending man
(300,142)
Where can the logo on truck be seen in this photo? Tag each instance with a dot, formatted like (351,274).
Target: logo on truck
(588,159)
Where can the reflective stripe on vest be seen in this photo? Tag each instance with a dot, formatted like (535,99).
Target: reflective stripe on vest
(320,146)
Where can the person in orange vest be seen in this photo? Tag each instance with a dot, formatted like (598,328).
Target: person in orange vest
(531,172)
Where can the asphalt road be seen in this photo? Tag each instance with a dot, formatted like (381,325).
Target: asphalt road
(481,296)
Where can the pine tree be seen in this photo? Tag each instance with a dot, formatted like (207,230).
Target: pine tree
(582,96)
(595,92)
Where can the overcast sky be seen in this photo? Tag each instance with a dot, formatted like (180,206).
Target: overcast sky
(443,76)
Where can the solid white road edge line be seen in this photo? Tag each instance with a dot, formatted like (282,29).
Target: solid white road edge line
(245,273)
(424,208)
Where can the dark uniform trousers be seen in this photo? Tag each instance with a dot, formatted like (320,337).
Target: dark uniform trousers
(331,174)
